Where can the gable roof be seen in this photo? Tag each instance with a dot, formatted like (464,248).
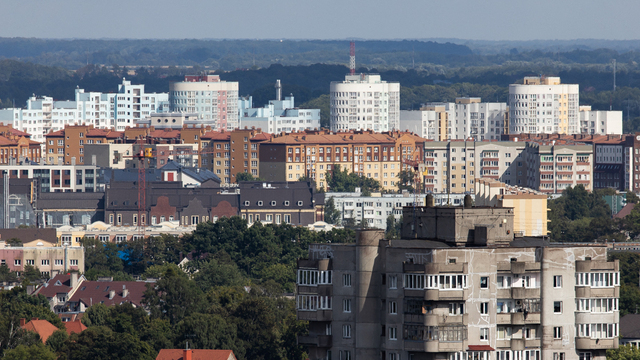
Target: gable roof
(98,292)
(41,327)
(74,327)
(626,210)
(60,284)
(630,326)
(178,354)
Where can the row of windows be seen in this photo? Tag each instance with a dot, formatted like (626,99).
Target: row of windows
(43,262)
(598,279)
(313,302)
(443,282)
(315,277)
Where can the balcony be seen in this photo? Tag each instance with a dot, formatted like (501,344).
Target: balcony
(518,267)
(446,295)
(434,346)
(603,318)
(596,344)
(591,265)
(525,293)
(589,292)
(322,264)
(319,315)
(315,340)
(503,318)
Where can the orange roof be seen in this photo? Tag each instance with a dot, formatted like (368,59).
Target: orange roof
(325,137)
(56,133)
(41,327)
(165,134)
(261,137)
(4,141)
(216,135)
(74,327)
(179,354)
(97,132)
(114,134)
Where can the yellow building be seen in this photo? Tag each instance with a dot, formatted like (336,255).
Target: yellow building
(529,206)
(380,156)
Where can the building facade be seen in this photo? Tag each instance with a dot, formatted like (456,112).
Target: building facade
(380,156)
(439,299)
(215,101)
(598,122)
(554,166)
(542,105)
(278,116)
(364,102)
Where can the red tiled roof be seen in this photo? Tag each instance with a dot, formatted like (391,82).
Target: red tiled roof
(17,132)
(165,134)
(41,327)
(261,137)
(97,132)
(178,354)
(115,134)
(5,141)
(56,133)
(481,348)
(96,292)
(215,135)
(74,327)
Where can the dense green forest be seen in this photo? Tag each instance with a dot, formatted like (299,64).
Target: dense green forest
(230,296)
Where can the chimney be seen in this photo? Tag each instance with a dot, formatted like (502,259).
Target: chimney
(23,322)
(112,293)
(125,291)
(187,354)
(73,282)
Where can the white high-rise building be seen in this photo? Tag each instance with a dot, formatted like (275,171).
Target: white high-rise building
(215,101)
(43,115)
(364,102)
(278,116)
(597,122)
(132,104)
(542,105)
(478,120)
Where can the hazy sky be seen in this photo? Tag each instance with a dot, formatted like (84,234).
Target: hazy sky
(322,19)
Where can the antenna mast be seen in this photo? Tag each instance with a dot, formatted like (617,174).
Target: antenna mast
(352,58)
(614,75)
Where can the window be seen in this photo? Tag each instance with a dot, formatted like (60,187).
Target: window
(504,282)
(456,308)
(17,262)
(346,280)
(393,282)
(484,282)
(584,356)
(558,356)
(73,262)
(393,333)
(503,333)
(557,307)
(347,355)
(557,281)
(59,262)
(31,262)
(484,334)
(346,305)
(393,307)
(484,308)
(394,356)
(45,262)
(346,331)
(557,332)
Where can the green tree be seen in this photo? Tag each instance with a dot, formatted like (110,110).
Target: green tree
(101,343)
(57,340)
(632,198)
(394,228)
(331,214)
(209,331)
(405,181)
(339,180)
(14,242)
(31,274)
(173,297)
(245,176)
(624,352)
(34,351)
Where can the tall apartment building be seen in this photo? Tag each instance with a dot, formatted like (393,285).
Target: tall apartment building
(452,166)
(442,294)
(101,110)
(478,120)
(430,122)
(598,122)
(556,165)
(215,101)
(364,102)
(380,156)
(278,116)
(542,105)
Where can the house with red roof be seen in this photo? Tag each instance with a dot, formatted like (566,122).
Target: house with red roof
(195,354)
(41,327)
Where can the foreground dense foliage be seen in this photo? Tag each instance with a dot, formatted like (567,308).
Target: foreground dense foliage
(229,295)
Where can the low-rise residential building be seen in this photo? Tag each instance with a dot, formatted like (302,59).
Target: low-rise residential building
(72,235)
(310,154)
(49,260)
(56,178)
(458,286)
